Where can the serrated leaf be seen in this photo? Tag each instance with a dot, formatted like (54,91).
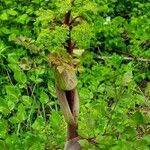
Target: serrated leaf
(127,78)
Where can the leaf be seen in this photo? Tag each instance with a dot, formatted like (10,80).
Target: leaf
(127,78)
(56,119)
(52,89)
(3,145)
(147,139)
(138,118)
(78,52)
(21,113)
(86,94)
(23,19)
(12,12)
(20,76)
(5,30)
(25,64)
(116,60)
(130,132)
(11,101)
(27,101)
(60,69)
(4,16)
(147,90)
(14,67)
(12,58)
(43,97)
(4,109)
(12,91)
(3,128)
(38,124)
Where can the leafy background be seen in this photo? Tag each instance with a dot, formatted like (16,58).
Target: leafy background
(114,93)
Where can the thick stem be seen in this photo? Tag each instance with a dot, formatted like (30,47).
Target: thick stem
(70,99)
(70,95)
(65,106)
(67,18)
(69,45)
(72,131)
(71,128)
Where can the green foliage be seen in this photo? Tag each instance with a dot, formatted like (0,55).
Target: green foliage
(113,107)
(114,93)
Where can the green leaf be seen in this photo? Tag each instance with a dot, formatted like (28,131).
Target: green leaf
(5,30)
(4,109)
(78,52)
(147,139)
(38,124)
(12,58)
(127,78)
(11,101)
(147,90)
(52,89)
(20,76)
(12,12)
(86,94)
(12,91)
(3,128)
(43,97)
(23,19)
(21,113)
(27,101)
(3,145)
(4,16)
(56,119)
(138,118)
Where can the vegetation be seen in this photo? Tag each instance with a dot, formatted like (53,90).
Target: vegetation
(111,46)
